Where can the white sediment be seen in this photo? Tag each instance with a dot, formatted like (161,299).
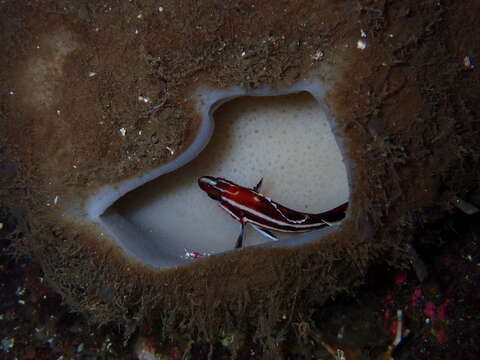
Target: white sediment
(287,140)
(43,71)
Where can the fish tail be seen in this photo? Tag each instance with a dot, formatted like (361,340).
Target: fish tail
(334,215)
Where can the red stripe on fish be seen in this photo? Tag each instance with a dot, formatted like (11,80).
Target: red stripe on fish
(249,206)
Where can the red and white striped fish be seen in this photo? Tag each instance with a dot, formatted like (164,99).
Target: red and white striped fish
(248,206)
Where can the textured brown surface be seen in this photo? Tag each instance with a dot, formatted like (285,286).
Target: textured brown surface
(406,105)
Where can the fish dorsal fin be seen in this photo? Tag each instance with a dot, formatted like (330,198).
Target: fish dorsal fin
(257,187)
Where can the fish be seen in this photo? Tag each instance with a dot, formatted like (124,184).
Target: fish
(249,206)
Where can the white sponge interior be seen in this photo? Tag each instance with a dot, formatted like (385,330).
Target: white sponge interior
(286,139)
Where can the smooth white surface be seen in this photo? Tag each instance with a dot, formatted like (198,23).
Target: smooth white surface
(155,224)
(287,140)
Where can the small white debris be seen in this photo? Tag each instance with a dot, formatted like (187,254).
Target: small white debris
(363,33)
(468,62)
(140,132)
(144,99)
(20,291)
(160,9)
(92,74)
(361,44)
(427,321)
(136,31)
(465,206)
(58,111)
(398,333)
(55,200)
(80,348)
(7,344)
(170,150)
(318,55)
(284,317)
(37,47)
(11,92)
(123,131)
(243,53)
(140,16)
(21,302)
(469,257)
(192,255)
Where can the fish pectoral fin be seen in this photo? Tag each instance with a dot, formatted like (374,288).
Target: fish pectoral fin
(265,233)
(239,242)
(257,187)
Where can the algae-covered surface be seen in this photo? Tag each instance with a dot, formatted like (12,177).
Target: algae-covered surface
(93,92)
(441,314)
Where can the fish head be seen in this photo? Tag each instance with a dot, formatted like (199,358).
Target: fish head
(217,188)
(209,184)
